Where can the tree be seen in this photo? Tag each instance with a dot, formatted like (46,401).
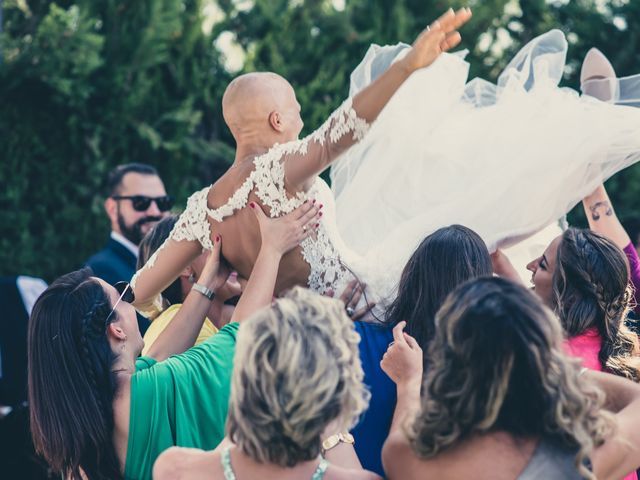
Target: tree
(88,85)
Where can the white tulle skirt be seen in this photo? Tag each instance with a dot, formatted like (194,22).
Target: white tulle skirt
(506,160)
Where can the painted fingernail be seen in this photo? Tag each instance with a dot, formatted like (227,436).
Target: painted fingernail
(320,214)
(314,200)
(317,225)
(217,238)
(252,205)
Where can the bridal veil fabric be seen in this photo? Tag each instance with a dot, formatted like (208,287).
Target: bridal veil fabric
(505,159)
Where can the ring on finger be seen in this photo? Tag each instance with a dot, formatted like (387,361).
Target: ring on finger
(350,311)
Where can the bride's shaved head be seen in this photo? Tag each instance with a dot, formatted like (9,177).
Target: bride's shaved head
(251,98)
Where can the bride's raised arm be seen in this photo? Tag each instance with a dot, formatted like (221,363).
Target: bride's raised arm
(305,159)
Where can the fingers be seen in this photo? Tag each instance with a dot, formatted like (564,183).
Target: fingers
(257,210)
(307,212)
(398,337)
(413,344)
(348,291)
(358,314)
(357,294)
(451,20)
(215,252)
(450,41)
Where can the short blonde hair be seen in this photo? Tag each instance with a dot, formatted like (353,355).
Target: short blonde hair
(297,369)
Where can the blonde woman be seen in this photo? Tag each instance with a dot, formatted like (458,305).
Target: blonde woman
(501,401)
(297,381)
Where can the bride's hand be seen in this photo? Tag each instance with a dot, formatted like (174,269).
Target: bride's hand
(285,233)
(440,36)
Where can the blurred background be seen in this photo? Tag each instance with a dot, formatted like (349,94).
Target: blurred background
(89,84)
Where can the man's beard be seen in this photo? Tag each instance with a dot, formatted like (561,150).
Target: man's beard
(134,232)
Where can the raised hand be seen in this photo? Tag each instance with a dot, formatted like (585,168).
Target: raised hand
(440,36)
(285,233)
(403,360)
(351,298)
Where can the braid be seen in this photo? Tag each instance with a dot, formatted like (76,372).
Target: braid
(96,363)
(592,290)
(88,333)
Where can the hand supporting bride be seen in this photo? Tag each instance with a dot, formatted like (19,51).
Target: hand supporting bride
(278,235)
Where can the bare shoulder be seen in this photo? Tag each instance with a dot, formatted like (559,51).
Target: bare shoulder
(400,461)
(178,463)
(335,472)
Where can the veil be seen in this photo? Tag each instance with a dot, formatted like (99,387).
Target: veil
(505,159)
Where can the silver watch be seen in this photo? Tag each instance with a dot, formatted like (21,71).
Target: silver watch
(203,290)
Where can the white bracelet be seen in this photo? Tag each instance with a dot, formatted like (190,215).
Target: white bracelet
(203,290)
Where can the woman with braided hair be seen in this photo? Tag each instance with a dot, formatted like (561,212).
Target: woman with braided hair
(98,410)
(584,277)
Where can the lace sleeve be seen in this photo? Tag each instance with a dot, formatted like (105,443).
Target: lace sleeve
(188,237)
(306,158)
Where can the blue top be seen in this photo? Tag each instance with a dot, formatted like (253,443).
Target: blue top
(375,423)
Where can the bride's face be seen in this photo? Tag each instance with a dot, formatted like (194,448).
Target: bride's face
(542,269)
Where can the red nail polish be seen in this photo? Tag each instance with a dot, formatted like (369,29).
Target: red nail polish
(317,225)
(217,238)
(314,200)
(320,214)
(252,205)
(321,205)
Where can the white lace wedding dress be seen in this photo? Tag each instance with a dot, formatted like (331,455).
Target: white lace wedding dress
(505,160)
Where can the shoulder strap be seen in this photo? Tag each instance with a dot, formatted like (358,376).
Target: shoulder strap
(320,471)
(226,464)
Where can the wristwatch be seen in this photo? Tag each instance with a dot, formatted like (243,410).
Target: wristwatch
(334,440)
(203,290)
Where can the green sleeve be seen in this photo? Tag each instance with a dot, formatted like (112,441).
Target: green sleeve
(181,401)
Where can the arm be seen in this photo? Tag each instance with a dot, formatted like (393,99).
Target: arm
(620,454)
(349,123)
(164,266)
(403,364)
(603,220)
(279,235)
(182,331)
(182,247)
(503,267)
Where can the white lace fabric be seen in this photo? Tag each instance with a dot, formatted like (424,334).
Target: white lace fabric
(327,271)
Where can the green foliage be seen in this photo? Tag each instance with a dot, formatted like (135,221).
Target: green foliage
(89,84)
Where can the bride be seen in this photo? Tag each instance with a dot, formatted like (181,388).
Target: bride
(430,150)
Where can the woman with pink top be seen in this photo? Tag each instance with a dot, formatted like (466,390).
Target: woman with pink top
(589,277)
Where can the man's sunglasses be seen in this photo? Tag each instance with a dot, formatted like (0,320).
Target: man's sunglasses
(140,202)
(126,295)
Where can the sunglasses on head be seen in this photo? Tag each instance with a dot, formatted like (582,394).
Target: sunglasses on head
(126,295)
(141,202)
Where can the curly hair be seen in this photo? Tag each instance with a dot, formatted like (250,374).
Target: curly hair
(591,289)
(297,369)
(496,364)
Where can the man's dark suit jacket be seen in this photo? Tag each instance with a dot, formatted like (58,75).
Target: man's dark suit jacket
(115,263)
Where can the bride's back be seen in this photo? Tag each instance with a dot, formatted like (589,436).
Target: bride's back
(241,234)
